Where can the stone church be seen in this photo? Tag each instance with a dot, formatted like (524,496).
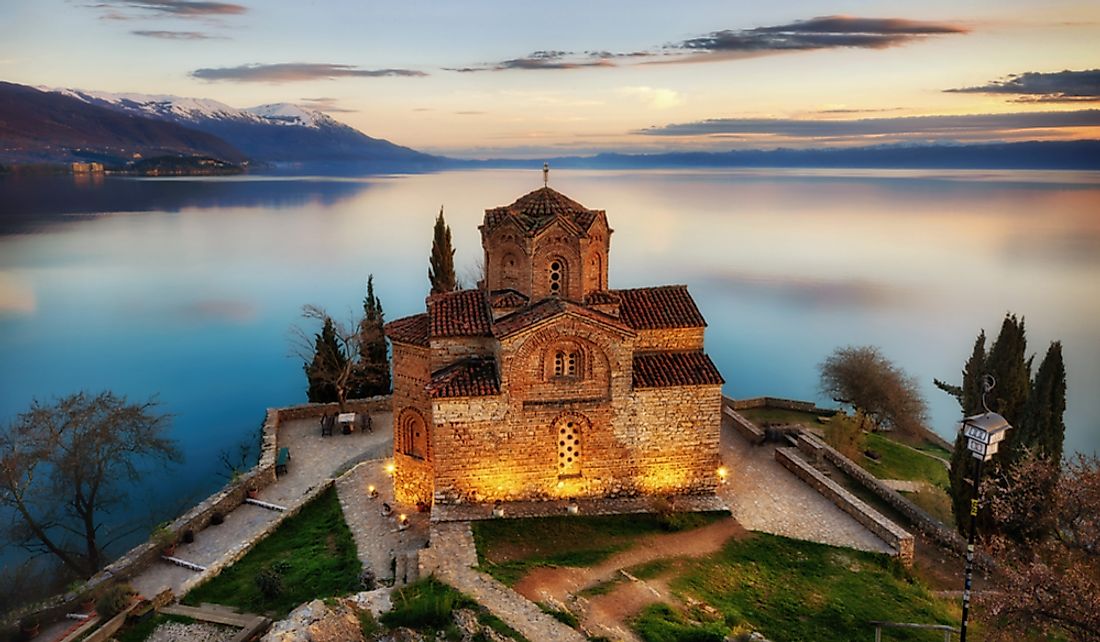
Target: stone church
(545,383)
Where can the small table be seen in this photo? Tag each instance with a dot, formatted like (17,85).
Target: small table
(347,421)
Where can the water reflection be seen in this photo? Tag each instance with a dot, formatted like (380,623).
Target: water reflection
(187,287)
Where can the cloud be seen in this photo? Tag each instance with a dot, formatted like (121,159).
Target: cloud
(653,97)
(826,32)
(544,60)
(175,35)
(296,72)
(951,126)
(1035,86)
(117,9)
(326,104)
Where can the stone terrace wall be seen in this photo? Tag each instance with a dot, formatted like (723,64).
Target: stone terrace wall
(917,517)
(890,532)
(779,403)
(223,501)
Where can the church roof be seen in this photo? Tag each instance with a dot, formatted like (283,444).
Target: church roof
(473,377)
(535,210)
(666,306)
(412,330)
(507,298)
(663,369)
(459,314)
(546,309)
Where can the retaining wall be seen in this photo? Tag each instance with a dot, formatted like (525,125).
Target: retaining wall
(780,403)
(197,518)
(916,516)
(891,533)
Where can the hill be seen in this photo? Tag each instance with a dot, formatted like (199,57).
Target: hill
(44,127)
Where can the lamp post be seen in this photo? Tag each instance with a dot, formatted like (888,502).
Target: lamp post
(983,434)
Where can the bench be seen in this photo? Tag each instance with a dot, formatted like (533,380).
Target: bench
(281,461)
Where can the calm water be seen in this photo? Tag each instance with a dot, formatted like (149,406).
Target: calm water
(187,288)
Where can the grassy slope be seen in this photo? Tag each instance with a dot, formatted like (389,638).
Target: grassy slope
(896,461)
(507,549)
(792,590)
(318,548)
(761,416)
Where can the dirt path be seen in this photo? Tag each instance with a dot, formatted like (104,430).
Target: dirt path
(607,614)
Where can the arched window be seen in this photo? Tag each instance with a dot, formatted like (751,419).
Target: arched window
(566,363)
(412,434)
(557,277)
(567,431)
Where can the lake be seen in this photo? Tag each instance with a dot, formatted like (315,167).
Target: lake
(187,288)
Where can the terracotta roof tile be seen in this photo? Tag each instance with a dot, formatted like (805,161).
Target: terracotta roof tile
(467,378)
(601,297)
(464,313)
(664,369)
(412,330)
(666,306)
(547,308)
(535,210)
(507,298)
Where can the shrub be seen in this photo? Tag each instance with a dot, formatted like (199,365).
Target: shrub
(427,603)
(114,601)
(269,579)
(368,625)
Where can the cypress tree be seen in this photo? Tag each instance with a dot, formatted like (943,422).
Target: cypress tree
(969,396)
(1047,406)
(441,267)
(327,359)
(1008,364)
(373,373)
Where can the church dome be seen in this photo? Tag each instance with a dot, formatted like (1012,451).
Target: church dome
(538,208)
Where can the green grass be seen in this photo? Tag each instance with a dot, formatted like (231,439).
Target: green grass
(651,569)
(315,551)
(761,416)
(565,617)
(662,623)
(140,631)
(899,462)
(508,548)
(793,590)
(601,588)
(428,605)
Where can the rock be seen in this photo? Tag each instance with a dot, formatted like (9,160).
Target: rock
(341,624)
(466,621)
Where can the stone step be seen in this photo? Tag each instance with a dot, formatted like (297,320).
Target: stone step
(262,504)
(191,566)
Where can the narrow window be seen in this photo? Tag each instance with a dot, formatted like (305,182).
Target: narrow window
(559,363)
(555,277)
(571,364)
(569,447)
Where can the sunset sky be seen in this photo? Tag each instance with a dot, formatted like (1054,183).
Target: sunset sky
(479,79)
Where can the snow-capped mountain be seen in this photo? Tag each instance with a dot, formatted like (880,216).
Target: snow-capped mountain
(279,132)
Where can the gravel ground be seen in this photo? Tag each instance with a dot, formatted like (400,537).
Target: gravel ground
(196,632)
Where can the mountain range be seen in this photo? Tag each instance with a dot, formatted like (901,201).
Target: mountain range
(66,125)
(61,126)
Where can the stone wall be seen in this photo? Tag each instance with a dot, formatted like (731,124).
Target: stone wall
(669,339)
(890,532)
(411,373)
(137,559)
(916,516)
(654,441)
(448,350)
(779,403)
(743,426)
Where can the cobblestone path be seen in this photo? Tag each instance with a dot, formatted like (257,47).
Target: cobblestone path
(764,496)
(452,557)
(382,547)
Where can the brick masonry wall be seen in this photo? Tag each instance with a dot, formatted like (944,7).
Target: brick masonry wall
(448,350)
(412,480)
(670,339)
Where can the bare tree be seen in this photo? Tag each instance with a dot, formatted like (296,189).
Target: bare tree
(861,377)
(64,465)
(1049,584)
